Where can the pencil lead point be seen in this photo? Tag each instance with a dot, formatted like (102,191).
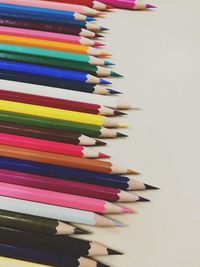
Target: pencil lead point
(115,74)
(100,143)
(127,210)
(121,135)
(100,13)
(148,187)
(103,156)
(150,6)
(108,63)
(142,199)
(117,223)
(113,252)
(105,54)
(117,112)
(90,19)
(104,29)
(109,7)
(114,92)
(98,44)
(129,171)
(81,231)
(102,81)
(99,35)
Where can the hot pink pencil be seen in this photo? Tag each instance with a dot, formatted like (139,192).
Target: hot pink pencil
(73,39)
(49,146)
(128,4)
(55,5)
(60,199)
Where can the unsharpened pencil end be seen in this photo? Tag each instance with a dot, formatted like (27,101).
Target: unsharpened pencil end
(102,81)
(108,63)
(113,92)
(148,187)
(115,74)
(98,44)
(100,143)
(142,199)
(150,6)
(113,252)
(129,171)
(117,112)
(103,156)
(121,135)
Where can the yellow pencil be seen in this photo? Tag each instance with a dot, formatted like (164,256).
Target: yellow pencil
(61,114)
(8,262)
(53,45)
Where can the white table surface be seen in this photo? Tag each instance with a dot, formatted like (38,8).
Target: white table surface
(158,52)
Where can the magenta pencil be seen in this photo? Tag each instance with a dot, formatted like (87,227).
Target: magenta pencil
(67,186)
(128,4)
(53,5)
(60,199)
(49,146)
(51,36)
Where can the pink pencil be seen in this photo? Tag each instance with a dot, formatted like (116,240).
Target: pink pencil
(73,39)
(60,199)
(128,4)
(55,5)
(49,146)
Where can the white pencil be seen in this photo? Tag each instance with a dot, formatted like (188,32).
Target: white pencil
(55,212)
(112,102)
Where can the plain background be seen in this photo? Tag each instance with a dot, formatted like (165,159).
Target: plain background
(158,52)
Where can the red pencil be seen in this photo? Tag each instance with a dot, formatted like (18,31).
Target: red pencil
(58,103)
(49,146)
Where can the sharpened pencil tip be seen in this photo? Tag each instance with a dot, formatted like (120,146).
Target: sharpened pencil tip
(105,54)
(113,252)
(99,35)
(150,6)
(90,19)
(99,13)
(127,210)
(99,264)
(98,44)
(108,63)
(100,143)
(109,7)
(115,74)
(103,156)
(102,81)
(81,231)
(143,199)
(148,187)
(114,92)
(104,29)
(121,135)
(122,125)
(129,171)
(117,112)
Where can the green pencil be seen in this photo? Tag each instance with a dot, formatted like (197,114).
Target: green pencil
(67,126)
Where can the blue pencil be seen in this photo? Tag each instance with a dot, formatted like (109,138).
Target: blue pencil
(43,169)
(50,71)
(43,12)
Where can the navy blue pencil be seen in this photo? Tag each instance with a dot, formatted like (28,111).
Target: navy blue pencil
(50,71)
(43,169)
(45,257)
(56,82)
(57,15)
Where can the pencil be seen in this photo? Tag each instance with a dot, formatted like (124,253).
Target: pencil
(58,82)
(60,114)
(50,71)
(66,38)
(53,45)
(48,27)
(112,102)
(65,64)
(53,54)
(58,103)
(56,212)
(49,146)
(84,10)
(72,174)
(134,4)
(5,261)
(43,257)
(60,199)
(49,134)
(66,186)
(60,244)
(73,127)
(54,15)
(63,160)
(37,224)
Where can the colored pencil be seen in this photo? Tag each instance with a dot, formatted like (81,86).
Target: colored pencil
(66,186)
(63,160)
(112,102)
(75,86)
(50,71)
(48,27)
(53,54)
(69,23)
(37,224)
(55,212)
(91,3)
(128,4)
(49,146)
(54,62)
(43,257)
(53,45)
(49,134)
(60,199)
(60,114)
(66,38)
(52,14)
(58,103)
(81,128)
(56,6)
(5,261)
(110,180)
